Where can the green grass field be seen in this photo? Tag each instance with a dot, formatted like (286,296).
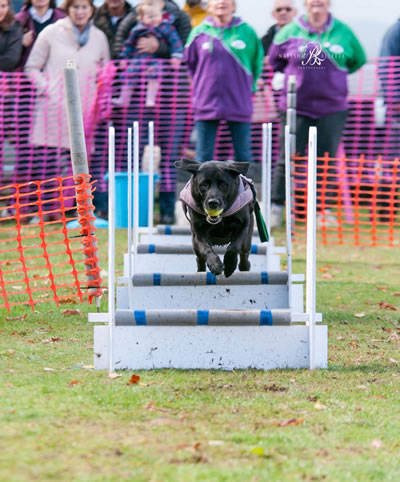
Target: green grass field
(60,420)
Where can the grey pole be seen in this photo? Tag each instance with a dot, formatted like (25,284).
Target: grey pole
(76,132)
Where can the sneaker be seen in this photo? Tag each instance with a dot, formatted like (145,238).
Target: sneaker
(327,218)
(276,215)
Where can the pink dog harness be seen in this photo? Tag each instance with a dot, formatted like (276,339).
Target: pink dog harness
(244,197)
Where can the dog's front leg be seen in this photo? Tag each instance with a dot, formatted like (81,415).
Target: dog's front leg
(239,244)
(206,256)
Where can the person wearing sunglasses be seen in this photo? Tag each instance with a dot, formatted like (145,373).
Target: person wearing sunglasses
(283,12)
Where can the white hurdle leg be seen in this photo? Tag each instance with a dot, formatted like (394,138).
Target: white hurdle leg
(311,243)
(111,245)
(151,182)
(266,168)
(288,212)
(135,191)
(129,165)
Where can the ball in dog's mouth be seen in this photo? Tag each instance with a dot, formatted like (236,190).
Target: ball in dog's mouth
(214,215)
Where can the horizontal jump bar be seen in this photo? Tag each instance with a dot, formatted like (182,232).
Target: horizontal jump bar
(202,317)
(188,249)
(201,279)
(166,229)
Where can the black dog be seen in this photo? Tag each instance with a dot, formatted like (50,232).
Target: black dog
(220,202)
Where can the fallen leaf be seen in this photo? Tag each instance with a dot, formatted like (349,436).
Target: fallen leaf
(327,276)
(134,379)
(396,293)
(114,375)
(377,444)
(381,288)
(258,451)
(386,306)
(288,422)
(152,406)
(74,382)
(216,442)
(319,406)
(359,315)
(68,301)
(71,312)
(393,361)
(46,369)
(88,367)
(16,318)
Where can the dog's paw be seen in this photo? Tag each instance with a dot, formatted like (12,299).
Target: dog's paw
(230,263)
(244,264)
(215,265)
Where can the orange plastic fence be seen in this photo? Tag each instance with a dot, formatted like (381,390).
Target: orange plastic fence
(357,200)
(40,258)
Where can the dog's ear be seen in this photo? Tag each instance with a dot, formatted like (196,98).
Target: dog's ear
(237,167)
(188,165)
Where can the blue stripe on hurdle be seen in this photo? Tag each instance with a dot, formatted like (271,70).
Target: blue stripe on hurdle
(202,317)
(254,249)
(140,317)
(264,278)
(152,248)
(265,318)
(211,279)
(168,230)
(156,279)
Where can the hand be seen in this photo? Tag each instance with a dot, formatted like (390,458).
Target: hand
(148,45)
(27,38)
(175,62)
(260,84)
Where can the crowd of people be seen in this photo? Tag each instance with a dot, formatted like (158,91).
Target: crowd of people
(214,44)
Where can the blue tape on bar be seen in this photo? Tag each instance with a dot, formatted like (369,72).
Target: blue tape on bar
(168,230)
(152,248)
(264,278)
(156,279)
(211,279)
(202,317)
(254,249)
(265,318)
(140,317)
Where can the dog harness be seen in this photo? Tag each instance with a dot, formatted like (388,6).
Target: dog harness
(245,196)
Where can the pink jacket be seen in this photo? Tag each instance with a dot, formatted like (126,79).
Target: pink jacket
(55,45)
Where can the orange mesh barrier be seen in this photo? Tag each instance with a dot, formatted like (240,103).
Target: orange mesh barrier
(357,201)
(40,258)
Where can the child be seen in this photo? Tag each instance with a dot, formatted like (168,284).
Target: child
(151,22)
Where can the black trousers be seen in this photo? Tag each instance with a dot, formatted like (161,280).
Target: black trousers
(330,128)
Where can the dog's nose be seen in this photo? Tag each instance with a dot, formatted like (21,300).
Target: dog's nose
(213,204)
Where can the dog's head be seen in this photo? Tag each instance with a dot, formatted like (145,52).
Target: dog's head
(215,184)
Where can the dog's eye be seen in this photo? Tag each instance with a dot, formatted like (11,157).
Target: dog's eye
(204,184)
(222,185)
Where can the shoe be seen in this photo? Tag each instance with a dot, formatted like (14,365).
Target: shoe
(327,218)
(276,216)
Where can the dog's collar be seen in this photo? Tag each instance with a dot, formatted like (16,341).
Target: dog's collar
(244,197)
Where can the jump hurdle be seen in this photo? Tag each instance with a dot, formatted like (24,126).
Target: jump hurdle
(200,321)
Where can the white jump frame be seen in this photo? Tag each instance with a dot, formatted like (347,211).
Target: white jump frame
(216,347)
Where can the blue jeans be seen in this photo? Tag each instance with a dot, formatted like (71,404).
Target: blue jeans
(207,132)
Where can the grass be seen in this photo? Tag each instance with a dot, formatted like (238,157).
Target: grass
(61,420)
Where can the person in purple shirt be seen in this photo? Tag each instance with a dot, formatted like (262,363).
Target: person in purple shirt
(320,51)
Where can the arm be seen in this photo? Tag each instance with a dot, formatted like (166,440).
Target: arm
(174,42)
(358,58)
(190,54)
(122,33)
(128,46)
(37,61)
(258,62)
(12,54)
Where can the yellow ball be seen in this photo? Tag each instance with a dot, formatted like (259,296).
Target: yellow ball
(214,212)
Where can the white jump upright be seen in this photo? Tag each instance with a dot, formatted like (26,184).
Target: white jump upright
(189,320)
